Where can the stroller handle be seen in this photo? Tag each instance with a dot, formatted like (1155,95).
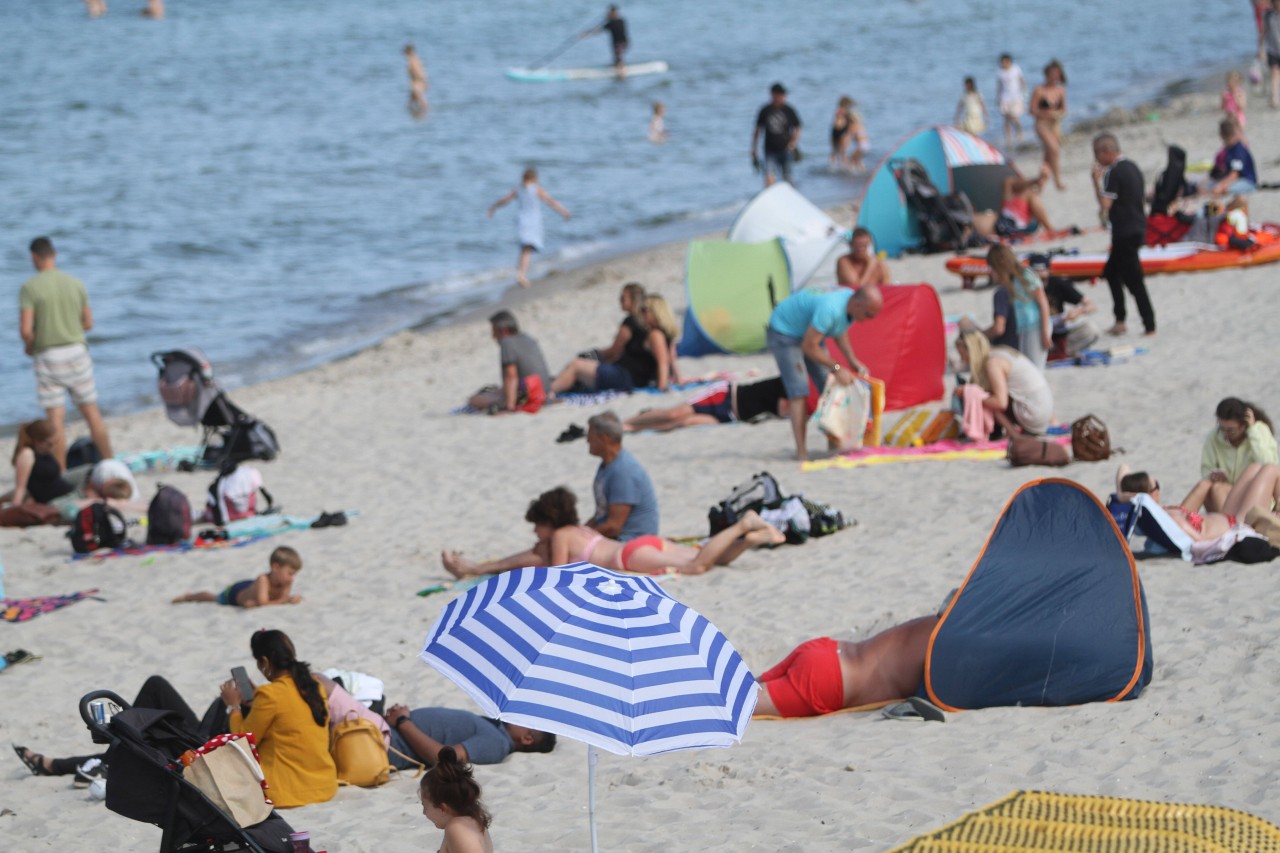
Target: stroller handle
(99,731)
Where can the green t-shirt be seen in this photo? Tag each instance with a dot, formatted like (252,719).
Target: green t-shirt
(58,301)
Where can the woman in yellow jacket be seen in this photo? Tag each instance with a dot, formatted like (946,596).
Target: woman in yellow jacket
(289,719)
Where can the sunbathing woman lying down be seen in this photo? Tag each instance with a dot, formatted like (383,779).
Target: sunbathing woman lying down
(1248,501)
(562,540)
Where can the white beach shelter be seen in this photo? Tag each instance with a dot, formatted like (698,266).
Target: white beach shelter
(810,238)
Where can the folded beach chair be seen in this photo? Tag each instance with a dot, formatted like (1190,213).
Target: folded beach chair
(1145,517)
(143,786)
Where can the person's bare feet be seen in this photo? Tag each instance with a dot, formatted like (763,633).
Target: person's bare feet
(760,532)
(183,599)
(1117,329)
(522,281)
(1151,333)
(457,565)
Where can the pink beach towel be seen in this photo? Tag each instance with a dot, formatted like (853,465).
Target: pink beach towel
(978,420)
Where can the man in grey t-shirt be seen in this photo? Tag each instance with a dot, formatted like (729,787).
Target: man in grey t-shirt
(525,378)
(425,731)
(626,506)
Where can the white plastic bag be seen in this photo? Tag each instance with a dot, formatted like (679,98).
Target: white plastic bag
(843,411)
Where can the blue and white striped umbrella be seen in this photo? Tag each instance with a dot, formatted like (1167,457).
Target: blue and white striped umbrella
(608,659)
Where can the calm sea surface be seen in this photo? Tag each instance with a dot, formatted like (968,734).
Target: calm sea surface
(244,177)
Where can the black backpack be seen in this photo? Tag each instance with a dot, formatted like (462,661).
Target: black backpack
(168,517)
(760,491)
(97,525)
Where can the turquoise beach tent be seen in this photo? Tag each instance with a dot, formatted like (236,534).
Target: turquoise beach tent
(956,162)
(732,289)
(1052,612)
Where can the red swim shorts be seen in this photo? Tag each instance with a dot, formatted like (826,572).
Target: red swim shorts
(809,682)
(635,544)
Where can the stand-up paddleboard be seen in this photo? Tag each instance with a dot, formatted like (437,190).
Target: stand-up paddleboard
(598,72)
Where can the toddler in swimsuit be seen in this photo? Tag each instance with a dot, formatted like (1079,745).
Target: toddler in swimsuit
(274,587)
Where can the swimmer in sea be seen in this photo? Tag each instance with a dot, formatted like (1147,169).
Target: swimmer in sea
(418,84)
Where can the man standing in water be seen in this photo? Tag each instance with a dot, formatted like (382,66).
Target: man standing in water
(781,127)
(617,29)
(417,82)
(54,315)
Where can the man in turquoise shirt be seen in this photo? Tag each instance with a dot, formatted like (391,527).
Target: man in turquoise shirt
(797,333)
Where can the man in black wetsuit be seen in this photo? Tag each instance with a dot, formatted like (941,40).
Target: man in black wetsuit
(617,29)
(781,127)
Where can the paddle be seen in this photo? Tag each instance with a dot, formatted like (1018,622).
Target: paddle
(565,45)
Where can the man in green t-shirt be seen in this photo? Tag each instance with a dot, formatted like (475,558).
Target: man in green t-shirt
(54,315)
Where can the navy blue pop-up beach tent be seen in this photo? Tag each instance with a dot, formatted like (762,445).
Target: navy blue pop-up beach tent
(1052,612)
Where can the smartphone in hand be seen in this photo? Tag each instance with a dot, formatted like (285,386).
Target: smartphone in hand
(241,678)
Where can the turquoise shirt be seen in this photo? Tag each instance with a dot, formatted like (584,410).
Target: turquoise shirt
(827,312)
(1025,307)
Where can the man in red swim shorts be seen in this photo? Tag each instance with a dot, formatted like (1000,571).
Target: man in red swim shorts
(825,675)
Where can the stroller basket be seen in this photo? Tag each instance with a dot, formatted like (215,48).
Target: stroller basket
(192,397)
(143,786)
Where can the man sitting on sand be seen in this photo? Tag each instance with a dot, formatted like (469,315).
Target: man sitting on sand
(862,265)
(825,675)
(423,732)
(525,377)
(721,403)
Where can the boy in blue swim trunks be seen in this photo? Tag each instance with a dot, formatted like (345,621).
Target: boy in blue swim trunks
(274,587)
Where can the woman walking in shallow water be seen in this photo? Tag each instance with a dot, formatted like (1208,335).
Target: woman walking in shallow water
(528,198)
(1049,106)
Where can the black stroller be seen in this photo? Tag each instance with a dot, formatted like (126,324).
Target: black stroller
(142,786)
(191,396)
(946,222)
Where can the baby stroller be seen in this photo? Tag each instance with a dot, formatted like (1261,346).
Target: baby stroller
(945,222)
(141,785)
(191,396)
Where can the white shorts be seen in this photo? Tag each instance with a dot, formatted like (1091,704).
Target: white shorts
(66,368)
(1012,109)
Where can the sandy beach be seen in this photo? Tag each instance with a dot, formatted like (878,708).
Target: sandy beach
(371,433)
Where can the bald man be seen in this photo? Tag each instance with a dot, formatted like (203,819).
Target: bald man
(797,334)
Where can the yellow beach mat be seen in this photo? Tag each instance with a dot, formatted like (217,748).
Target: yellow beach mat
(1038,820)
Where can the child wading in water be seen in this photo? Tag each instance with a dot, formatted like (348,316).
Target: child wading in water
(971,112)
(657,124)
(275,587)
(451,801)
(528,198)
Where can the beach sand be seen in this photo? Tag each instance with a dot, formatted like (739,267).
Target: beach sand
(371,433)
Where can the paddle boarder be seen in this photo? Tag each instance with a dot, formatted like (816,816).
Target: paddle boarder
(617,29)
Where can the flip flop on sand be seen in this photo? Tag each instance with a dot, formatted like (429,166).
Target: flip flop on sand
(914,709)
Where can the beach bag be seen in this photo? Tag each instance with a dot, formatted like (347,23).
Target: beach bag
(359,753)
(760,491)
(168,517)
(843,411)
(82,452)
(1090,441)
(1029,450)
(226,770)
(234,494)
(97,525)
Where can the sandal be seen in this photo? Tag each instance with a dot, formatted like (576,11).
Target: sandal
(33,760)
(573,433)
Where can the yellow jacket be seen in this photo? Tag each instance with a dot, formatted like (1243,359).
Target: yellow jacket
(293,749)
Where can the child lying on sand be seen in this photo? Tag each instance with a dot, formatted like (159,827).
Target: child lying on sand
(272,588)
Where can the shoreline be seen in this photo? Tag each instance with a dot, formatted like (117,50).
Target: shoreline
(1174,95)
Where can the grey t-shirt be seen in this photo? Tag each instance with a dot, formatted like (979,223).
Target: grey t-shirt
(624,481)
(486,741)
(523,351)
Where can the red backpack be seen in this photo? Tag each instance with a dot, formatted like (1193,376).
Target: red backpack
(97,525)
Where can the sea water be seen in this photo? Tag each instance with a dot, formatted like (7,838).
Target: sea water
(244,176)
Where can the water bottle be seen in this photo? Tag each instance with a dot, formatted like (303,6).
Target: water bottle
(301,841)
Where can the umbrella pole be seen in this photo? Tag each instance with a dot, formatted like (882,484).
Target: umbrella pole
(592,758)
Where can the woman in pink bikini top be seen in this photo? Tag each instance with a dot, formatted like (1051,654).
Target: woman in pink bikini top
(1256,490)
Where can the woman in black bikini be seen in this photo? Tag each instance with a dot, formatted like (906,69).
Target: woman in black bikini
(1049,106)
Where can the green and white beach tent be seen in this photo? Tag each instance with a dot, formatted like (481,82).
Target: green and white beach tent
(732,289)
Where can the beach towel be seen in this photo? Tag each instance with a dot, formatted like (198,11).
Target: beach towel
(936,452)
(26,609)
(239,534)
(1040,820)
(173,459)
(586,399)
(978,420)
(1100,358)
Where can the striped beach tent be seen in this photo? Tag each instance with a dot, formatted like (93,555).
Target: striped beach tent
(605,658)
(956,161)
